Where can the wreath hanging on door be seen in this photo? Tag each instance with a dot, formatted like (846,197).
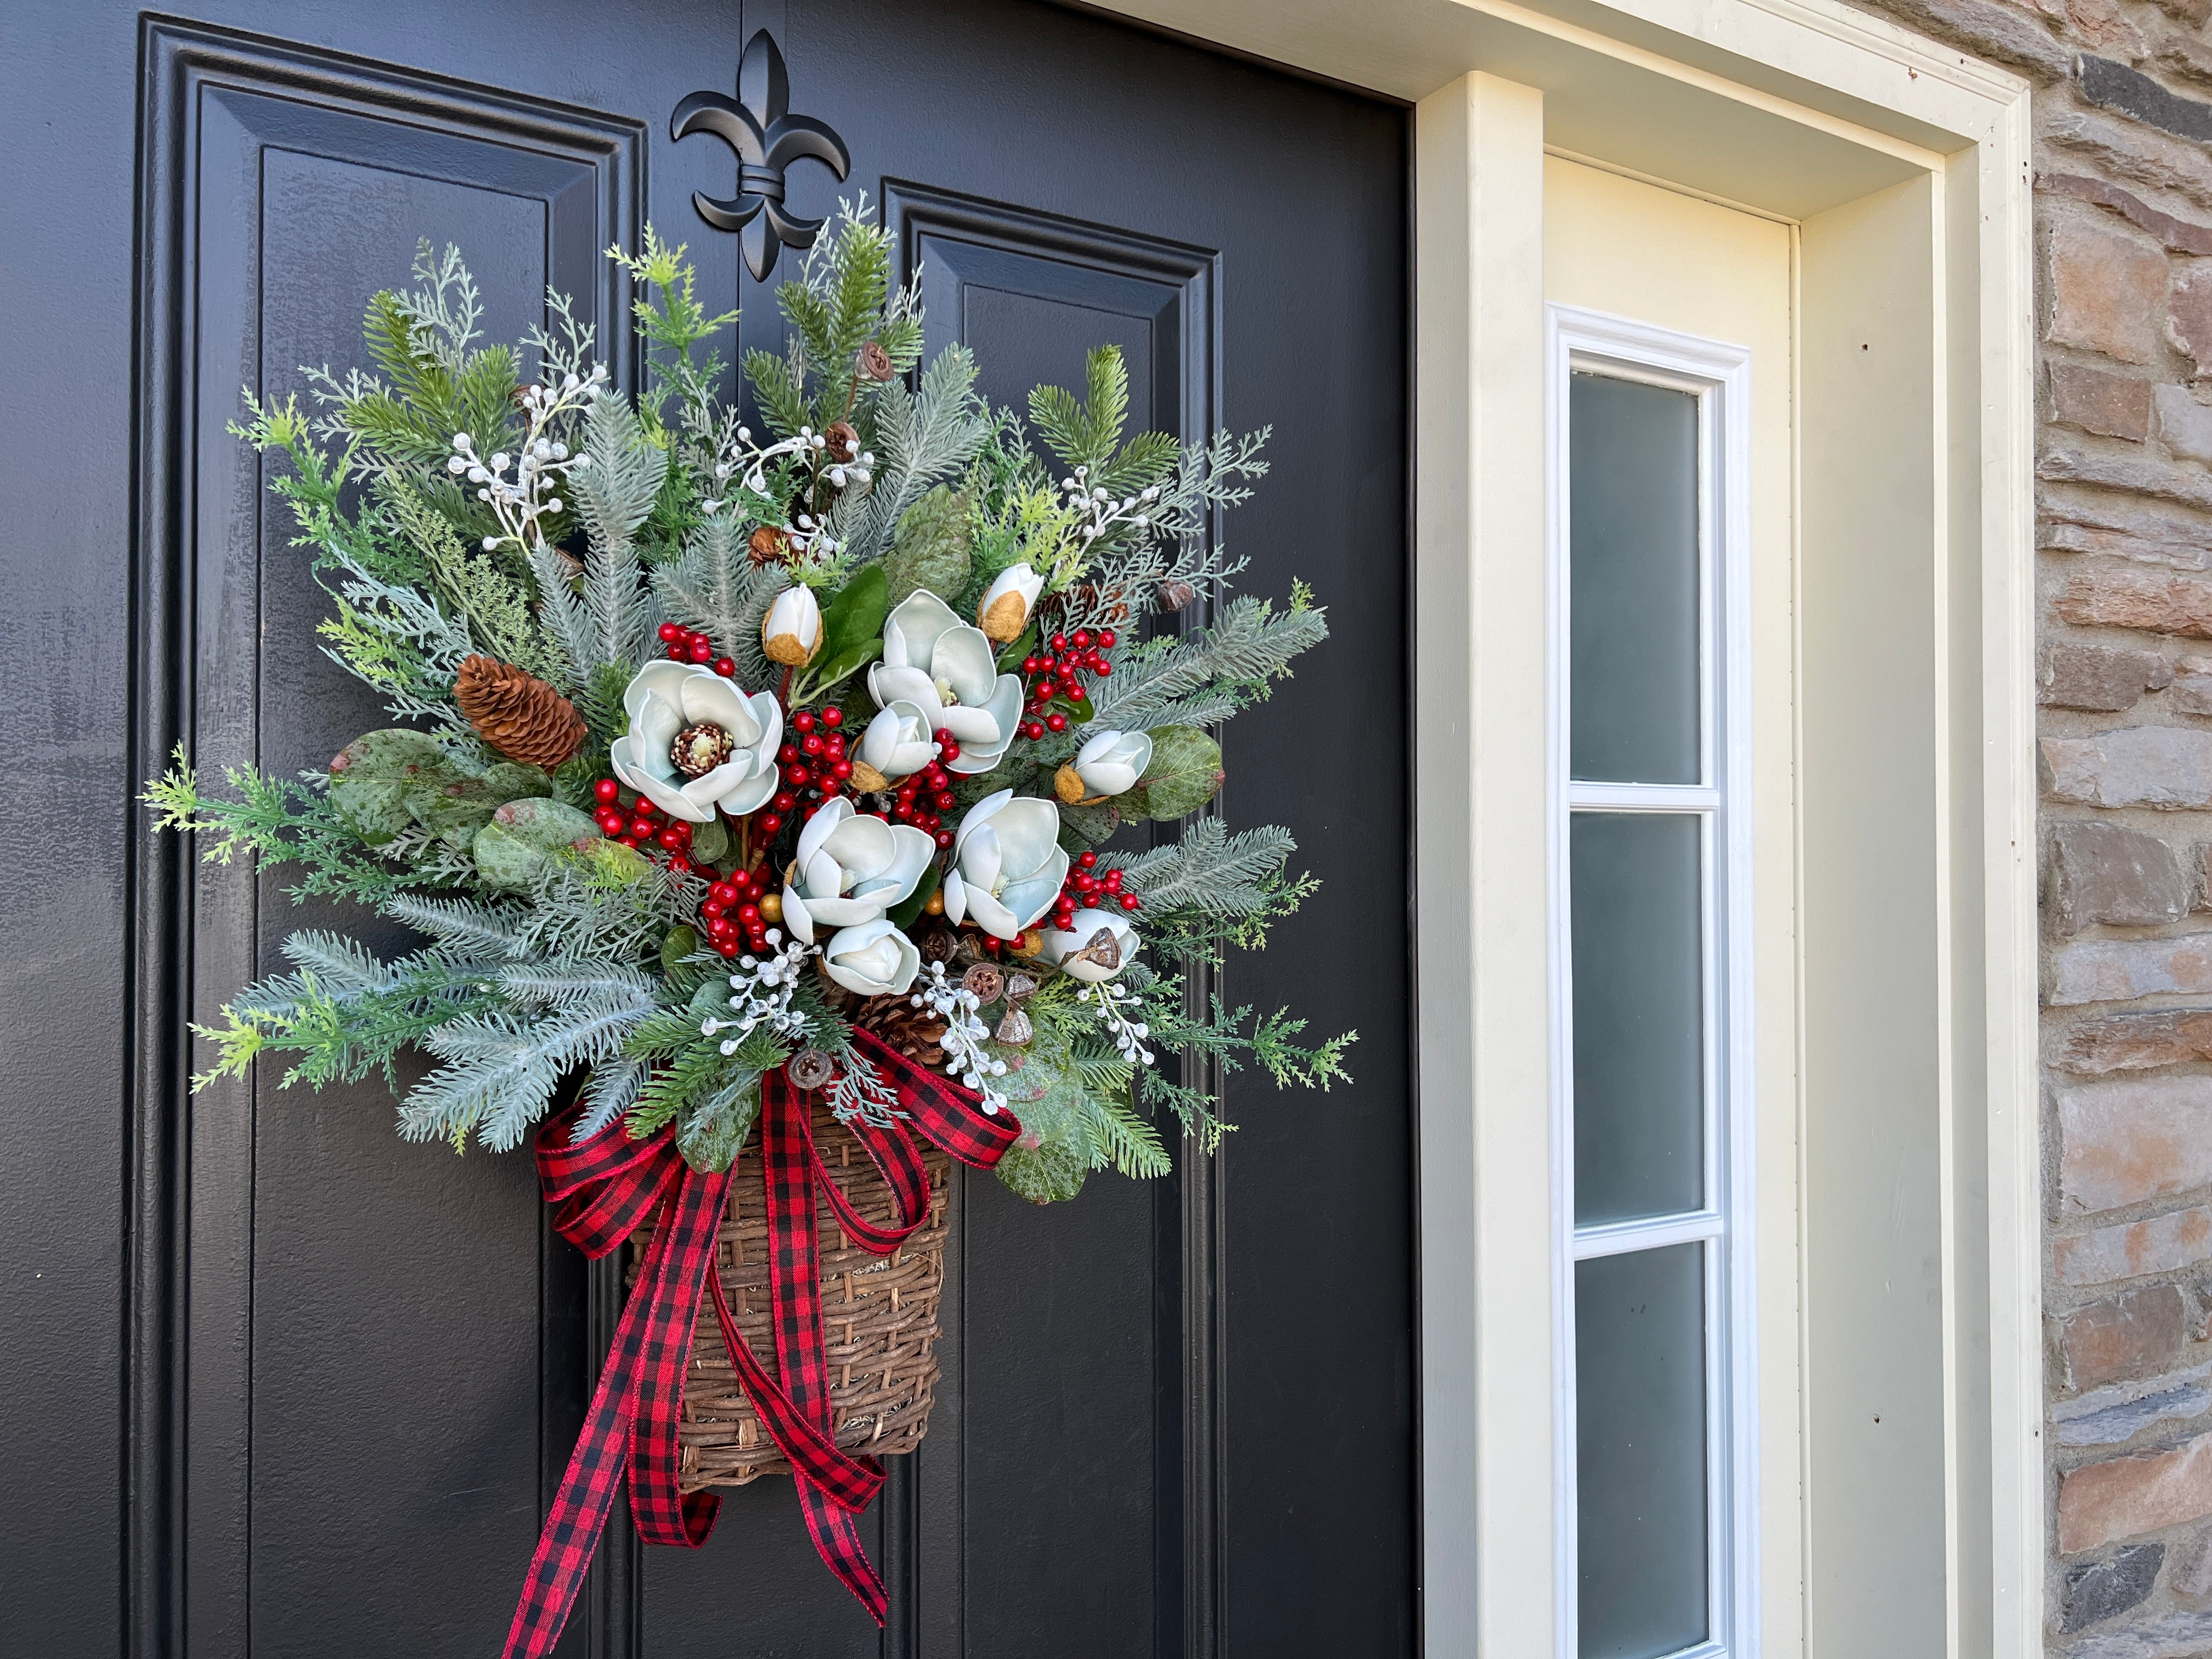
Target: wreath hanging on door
(769,784)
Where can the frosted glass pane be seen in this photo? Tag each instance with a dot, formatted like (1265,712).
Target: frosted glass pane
(1640,1451)
(1633,507)
(1638,1001)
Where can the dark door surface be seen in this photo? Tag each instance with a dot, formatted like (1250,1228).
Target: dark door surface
(277,1383)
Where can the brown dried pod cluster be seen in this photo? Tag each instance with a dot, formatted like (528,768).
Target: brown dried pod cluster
(768,545)
(517,712)
(1174,596)
(876,362)
(984,980)
(840,442)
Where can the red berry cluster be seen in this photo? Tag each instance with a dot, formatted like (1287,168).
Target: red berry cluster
(1050,674)
(685,645)
(815,767)
(1083,890)
(643,824)
(733,912)
(923,798)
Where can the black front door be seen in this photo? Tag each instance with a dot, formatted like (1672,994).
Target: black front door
(283,1384)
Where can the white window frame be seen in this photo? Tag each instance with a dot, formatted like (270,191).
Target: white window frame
(1719,375)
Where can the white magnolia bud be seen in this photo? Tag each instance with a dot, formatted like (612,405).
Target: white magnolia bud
(790,633)
(1004,610)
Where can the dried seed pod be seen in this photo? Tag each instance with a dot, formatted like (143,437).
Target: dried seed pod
(876,362)
(984,982)
(1102,948)
(810,1068)
(843,442)
(1014,1030)
(1174,596)
(1018,986)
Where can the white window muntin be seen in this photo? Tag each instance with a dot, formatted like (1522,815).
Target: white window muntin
(1719,375)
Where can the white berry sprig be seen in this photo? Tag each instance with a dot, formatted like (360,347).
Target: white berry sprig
(964,1035)
(1113,1006)
(764,989)
(522,497)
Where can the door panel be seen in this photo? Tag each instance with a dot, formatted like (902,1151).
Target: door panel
(362,1319)
(1176,1417)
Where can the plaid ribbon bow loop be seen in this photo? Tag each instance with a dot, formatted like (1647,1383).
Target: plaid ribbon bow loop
(603,1190)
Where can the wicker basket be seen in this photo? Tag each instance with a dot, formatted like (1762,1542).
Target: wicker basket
(879,1322)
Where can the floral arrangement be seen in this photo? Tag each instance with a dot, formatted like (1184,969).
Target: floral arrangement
(716,747)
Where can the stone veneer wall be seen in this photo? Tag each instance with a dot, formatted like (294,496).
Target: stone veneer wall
(2123,111)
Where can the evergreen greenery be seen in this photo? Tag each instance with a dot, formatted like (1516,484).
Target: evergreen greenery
(456,497)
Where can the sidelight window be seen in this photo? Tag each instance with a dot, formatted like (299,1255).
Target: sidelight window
(1649,897)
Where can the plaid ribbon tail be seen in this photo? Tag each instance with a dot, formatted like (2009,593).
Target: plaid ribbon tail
(788,1166)
(586,1496)
(664,1513)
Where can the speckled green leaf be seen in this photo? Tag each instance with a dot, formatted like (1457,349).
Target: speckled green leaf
(710,842)
(522,835)
(371,775)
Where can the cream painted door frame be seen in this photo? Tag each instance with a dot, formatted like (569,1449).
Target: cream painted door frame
(1904,167)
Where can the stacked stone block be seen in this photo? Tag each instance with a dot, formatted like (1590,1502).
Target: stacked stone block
(2123,115)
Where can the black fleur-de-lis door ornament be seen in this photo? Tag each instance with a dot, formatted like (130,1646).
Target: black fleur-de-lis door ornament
(758,125)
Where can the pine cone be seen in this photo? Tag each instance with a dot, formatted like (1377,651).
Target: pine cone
(896,1022)
(517,713)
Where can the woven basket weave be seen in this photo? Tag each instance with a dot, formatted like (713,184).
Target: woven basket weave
(879,1322)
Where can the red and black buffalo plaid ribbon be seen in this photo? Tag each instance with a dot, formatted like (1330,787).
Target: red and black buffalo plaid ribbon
(603,1190)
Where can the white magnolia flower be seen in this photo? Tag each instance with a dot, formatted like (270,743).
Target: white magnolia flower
(1004,610)
(948,673)
(1008,864)
(873,959)
(897,741)
(696,741)
(1111,762)
(1080,952)
(790,633)
(852,866)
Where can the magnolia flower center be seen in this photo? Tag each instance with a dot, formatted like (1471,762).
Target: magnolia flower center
(945,694)
(698,750)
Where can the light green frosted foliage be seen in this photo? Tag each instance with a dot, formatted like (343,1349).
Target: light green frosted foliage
(932,548)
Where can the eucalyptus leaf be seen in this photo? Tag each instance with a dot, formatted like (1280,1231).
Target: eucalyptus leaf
(1185,774)
(523,835)
(1084,826)
(1049,1173)
(932,548)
